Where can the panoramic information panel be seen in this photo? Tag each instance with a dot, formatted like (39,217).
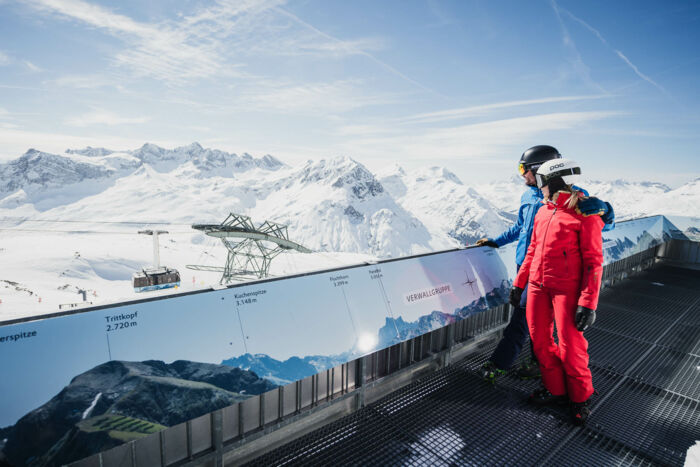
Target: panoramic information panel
(90,380)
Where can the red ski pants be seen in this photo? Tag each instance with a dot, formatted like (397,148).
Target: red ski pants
(564,367)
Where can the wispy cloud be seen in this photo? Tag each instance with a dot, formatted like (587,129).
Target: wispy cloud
(639,73)
(32,67)
(617,52)
(577,63)
(169,51)
(308,98)
(102,117)
(443,18)
(585,25)
(24,88)
(455,114)
(215,41)
(84,81)
(348,47)
(466,141)
(4,59)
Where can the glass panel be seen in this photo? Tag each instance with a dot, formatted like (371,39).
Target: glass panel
(251,413)
(290,399)
(175,440)
(201,433)
(118,457)
(271,404)
(92,461)
(337,376)
(323,386)
(350,382)
(230,415)
(148,450)
(306,388)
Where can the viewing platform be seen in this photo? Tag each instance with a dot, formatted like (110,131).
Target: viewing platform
(645,359)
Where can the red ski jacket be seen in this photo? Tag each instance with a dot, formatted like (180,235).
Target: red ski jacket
(565,253)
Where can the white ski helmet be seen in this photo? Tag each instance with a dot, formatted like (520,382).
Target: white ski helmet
(567,169)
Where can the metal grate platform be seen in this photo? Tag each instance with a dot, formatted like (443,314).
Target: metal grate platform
(645,355)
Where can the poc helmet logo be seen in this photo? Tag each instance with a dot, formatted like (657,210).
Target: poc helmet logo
(556,166)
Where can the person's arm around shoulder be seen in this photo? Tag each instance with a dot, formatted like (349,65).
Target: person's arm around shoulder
(592,206)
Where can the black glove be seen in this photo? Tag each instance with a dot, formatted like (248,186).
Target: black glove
(516,294)
(486,242)
(585,317)
(609,216)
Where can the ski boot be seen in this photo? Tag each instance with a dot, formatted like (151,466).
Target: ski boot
(530,369)
(489,372)
(542,397)
(579,412)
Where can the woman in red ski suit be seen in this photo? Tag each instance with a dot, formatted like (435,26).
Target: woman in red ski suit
(563,265)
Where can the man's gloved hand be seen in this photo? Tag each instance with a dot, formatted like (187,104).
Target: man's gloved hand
(516,294)
(609,216)
(585,317)
(592,206)
(486,242)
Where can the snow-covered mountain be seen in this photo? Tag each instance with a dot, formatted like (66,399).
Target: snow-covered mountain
(629,199)
(331,205)
(39,170)
(439,199)
(69,221)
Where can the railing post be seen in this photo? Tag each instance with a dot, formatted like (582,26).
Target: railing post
(360,382)
(450,343)
(163,463)
(188,426)
(217,436)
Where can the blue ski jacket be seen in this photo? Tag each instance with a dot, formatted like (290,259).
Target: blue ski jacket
(530,203)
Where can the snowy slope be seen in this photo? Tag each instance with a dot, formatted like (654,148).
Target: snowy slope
(440,200)
(683,201)
(630,199)
(504,194)
(339,205)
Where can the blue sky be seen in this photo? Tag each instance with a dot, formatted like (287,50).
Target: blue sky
(463,84)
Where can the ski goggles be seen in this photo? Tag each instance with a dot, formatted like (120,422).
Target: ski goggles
(543,180)
(522,168)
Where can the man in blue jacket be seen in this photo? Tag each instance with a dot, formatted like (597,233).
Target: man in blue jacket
(516,332)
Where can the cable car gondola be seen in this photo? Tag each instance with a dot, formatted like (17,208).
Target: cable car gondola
(158,277)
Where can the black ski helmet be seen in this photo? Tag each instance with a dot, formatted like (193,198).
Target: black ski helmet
(534,157)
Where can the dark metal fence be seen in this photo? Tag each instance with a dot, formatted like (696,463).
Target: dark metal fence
(681,251)
(240,431)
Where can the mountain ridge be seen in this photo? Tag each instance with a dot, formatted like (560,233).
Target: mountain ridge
(335,206)
(150,392)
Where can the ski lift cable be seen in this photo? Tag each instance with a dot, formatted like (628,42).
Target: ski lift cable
(75,221)
(80,231)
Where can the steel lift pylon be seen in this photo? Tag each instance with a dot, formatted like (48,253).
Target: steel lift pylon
(251,248)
